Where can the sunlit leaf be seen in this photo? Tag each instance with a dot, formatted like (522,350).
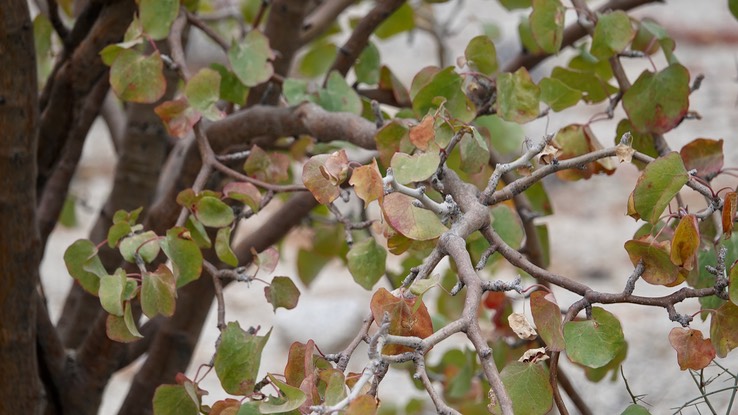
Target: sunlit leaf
(223,247)
(145,244)
(293,398)
(111,292)
(231,88)
(198,232)
(594,343)
(282,292)
(174,400)
(363,405)
(137,78)
(693,352)
(367,182)
(517,97)
(157,16)
(185,255)
(474,152)
(657,185)
(613,33)
(443,85)
(547,24)
(515,4)
(414,168)
(424,133)
(635,409)
(237,359)
(406,319)
(251,59)
(558,95)
(594,89)
(547,316)
(481,55)
(245,193)
(366,262)
(411,221)
(657,102)
(686,242)
(203,91)
(318,59)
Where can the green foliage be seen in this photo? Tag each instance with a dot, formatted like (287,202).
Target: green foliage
(594,343)
(237,359)
(137,78)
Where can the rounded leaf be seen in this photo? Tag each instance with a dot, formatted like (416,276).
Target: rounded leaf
(594,343)
(212,212)
(137,78)
(367,262)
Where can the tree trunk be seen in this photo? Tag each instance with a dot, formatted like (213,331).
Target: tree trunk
(20,391)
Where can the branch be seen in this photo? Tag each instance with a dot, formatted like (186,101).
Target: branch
(322,18)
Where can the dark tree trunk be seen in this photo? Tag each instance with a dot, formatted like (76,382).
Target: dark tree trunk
(20,391)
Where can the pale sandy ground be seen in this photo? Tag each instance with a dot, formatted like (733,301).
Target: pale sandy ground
(587,233)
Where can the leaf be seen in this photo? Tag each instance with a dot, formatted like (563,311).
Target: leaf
(268,167)
(657,102)
(507,225)
(335,390)
(401,20)
(231,88)
(282,292)
(336,167)
(185,255)
(635,409)
(505,137)
(322,189)
(612,34)
(481,55)
(406,318)
(443,85)
(521,327)
(658,267)
(415,168)
(703,155)
(198,232)
(547,24)
(363,405)
(693,352)
(389,140)
(558,95)
(722,328)
(174,400)
(366,262)
(157,16)
(293,399)
(84,265)
(528,387)
(178,117)
(203,91)
(223,247)
(111,292)
(517,97)
(266,260)
(144,244)
(367,67)
(158,292)
(657,185)
(728,215)
(643,143)
(594,343)
(212,212)
(547,317)
(733,284)
(251,59)
(318,59)
(245,193)
(338,96)
(576,140)
(237,359)
(424,133)
(309,265)
(526,38)
(474,152)
(413,222)
(367,182)
(137,78)
(686,242)
(733,6)
(515,4)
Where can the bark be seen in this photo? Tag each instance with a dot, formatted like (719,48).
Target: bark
(20,391)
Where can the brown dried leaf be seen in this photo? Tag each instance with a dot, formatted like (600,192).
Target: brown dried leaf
(729,208)
(521,326)
(423,133)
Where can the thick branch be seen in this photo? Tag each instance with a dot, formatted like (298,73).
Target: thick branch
(322,18)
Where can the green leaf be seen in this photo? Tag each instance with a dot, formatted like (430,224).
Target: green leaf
(733,6)
(309,265)
(80,258)
(157,16)
(245,193)
(390,139)
(474,152)
(402,20)
(558,95)
(293,398)
(517,97)
(594,343)
(505,137)
(138,78)
(212,212)
(612,35)
(594,89)
(174,400)
(129,320)
(576,140)
(203,91)
(251,59)
(117,232)
(547,316)
(335,389)
(282,292)
(268,167)
(144,244)
(411,221)
(338,96)
(367,65)
(481,55)
(237,359)
(722,328)
(658,267)
(223,247)
(528,387)
(295,91)
(117,330)
(733,285)
(111,292)
(657,102)
(231,88)
(547,24)
(508,226)
(635,409)
(185,255)
(433,89)
(515,4)
(42,30)
(657,185)
(318,59)
(198,232)
(367,262)
(158,292)
(415,168)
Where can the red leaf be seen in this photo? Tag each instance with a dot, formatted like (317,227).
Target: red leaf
(693,352)
(406,319)
(703,155)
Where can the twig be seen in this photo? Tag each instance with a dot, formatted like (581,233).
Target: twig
(522,161)
(207,30)
(213,271)
(441,406)
(554,379)
(322,18)
(55,19)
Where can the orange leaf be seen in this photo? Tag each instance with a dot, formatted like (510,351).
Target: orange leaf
(405,318)
(685,243)
(693,352)
(729,207)
(423,133)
